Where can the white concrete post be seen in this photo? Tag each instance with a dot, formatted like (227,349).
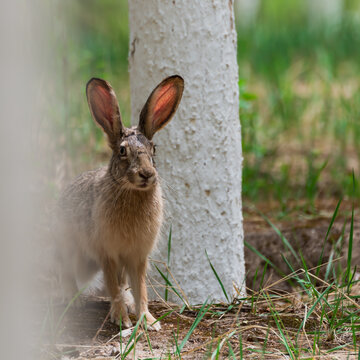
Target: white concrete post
(199,152)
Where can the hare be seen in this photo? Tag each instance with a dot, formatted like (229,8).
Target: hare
(110,217)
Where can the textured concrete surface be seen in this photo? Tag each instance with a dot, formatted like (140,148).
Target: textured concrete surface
(199,152)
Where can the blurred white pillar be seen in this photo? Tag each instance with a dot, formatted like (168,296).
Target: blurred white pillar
(199,151)
(20,61)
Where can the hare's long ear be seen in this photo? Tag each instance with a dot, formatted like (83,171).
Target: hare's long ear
(104,108)
(161,105)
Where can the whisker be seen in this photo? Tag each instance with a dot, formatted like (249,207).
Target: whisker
(168,186)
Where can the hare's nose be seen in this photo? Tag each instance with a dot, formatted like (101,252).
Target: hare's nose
(146,174)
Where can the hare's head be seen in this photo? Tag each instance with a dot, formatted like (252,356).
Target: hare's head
(132,164)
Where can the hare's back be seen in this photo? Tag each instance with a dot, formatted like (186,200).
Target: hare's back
(76,202)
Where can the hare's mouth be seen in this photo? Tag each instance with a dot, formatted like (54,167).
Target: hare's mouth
(142,184)
(148,183)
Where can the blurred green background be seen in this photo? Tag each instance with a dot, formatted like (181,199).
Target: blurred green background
(299,95)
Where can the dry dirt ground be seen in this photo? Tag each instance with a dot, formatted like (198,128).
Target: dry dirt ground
(87,336)
(306,234)
(87,333)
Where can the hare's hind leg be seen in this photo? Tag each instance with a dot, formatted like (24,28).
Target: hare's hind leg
(118,307)
(137,274)
(125,290)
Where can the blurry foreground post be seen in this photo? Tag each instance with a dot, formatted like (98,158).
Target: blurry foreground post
(199,152)
(20,62)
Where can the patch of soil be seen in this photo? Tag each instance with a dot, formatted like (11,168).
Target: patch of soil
(87,333)
(306,234)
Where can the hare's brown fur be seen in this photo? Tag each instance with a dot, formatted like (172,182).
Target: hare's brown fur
(110,217)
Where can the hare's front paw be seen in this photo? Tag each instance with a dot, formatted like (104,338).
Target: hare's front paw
(118,312)
(152,323)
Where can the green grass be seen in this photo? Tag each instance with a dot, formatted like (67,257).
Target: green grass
(300,108)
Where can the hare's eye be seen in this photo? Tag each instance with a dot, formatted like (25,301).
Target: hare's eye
(122,151)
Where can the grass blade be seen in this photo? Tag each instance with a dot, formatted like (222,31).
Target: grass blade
(350,247)
(178,351)
(326,236)
(218,278)
(231,350)
(241,347)
(168,282)
(275,316)
(202,312)
(295,276)
(133,339)
(216,353)
(67,308)
(168,261)
(314,306)
(282,237)
(261,256)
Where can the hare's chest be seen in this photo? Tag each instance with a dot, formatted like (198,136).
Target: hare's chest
(131,231)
